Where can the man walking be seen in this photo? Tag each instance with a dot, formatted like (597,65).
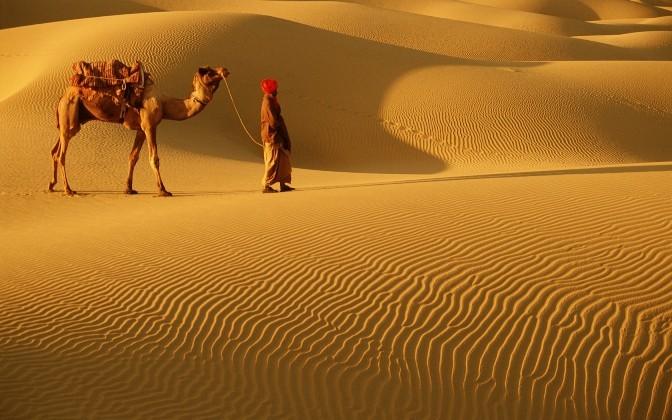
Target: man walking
(277,145)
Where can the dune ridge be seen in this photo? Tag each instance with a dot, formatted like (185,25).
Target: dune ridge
(581,9)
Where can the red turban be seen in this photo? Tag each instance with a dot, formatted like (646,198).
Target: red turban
(269,85)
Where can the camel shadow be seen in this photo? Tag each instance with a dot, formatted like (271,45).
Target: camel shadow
(647,168)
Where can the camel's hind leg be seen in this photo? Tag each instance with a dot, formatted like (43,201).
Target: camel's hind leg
(67,116)
(55,152)
(133,159)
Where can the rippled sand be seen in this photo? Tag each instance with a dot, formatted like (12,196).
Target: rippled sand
(482,230)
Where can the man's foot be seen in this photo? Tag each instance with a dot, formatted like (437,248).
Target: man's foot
(268,190)
(285,188)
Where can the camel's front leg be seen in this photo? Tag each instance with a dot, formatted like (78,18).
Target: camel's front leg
(133,159)
(154,160)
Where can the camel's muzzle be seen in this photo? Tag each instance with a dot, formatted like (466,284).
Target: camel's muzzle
(222,71)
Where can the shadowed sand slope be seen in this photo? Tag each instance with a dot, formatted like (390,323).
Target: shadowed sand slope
(19,13)
(353,105)
(542,15)
(654,41)
(463,30)
(327,125)
(522,298)
(580,9)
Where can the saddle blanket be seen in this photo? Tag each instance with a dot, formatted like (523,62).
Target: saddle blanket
(106,74)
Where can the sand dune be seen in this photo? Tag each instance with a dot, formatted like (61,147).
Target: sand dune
(495,16)
(473,30)
(482,229)
(651,41)
(402,119)
(535,16)
(20,13)
(459,299)
(580,9)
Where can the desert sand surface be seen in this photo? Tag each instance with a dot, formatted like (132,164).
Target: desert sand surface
(482,227)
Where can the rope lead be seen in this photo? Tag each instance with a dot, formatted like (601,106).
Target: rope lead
(233,102)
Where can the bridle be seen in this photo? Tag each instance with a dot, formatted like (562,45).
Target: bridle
(199,100)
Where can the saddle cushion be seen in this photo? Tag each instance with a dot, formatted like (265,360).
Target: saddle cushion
(106,74)
(110,78)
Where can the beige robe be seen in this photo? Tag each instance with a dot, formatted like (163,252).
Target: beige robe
(277,145)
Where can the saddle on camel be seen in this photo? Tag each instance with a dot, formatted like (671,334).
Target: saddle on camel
(116,93)
(110,84)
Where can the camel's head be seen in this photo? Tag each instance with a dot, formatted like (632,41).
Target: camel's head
(210,77)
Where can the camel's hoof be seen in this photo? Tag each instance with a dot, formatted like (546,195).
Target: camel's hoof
(70,193)
(165,193)
(51,187)
(130,191)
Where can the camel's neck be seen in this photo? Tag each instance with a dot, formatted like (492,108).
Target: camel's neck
(182,109)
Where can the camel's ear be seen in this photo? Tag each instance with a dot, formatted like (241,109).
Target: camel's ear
(204,70)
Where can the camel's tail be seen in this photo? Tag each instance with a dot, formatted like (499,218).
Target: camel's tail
(58,124)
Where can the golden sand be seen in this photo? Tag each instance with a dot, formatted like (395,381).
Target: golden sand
(483,227)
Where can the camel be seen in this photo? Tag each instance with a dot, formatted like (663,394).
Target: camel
(73,111)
